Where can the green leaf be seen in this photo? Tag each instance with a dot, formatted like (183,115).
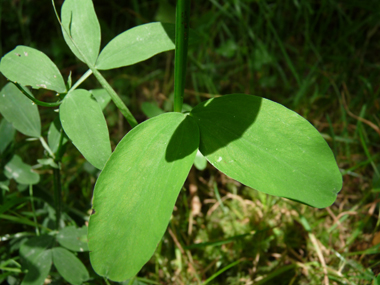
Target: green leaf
(84,123)
(200,161)
(151,110)
(7,134)
(16,169)
(69,266)
(102,97)
(73,238)
(30,67)
(138,44)
(20,111)
(268,147)
(54,135)
(36,259)
(3,186)
(79,19)
(136,192)
(38,269)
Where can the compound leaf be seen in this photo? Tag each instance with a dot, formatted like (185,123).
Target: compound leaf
(37,259)
(268,147)
(69,266)
(20,111)
(84,123)
(16,169)
(135,193)
(138,44)
(30,67)
(80,21)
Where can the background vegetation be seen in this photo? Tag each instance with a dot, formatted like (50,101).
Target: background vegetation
(320,58)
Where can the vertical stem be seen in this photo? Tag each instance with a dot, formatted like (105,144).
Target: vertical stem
(57,195)
(34,211)
(181,43)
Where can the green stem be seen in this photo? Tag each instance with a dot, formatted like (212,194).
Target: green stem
(115,98)
(181,43)
(38,102)
(34,211)
(57,195)
(80,81)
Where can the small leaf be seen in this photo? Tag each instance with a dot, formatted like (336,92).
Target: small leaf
(38,269)
(4,186)
(19,110)
(16,169)
(73,238)
(138,44)
(84,123)
(151,110)
(69,266)
(79,19)
(268,147)
(136,192)
(102,97)
(7,134)
(54,135)
(36,259)
(30,67)
(200,161)
(48,161)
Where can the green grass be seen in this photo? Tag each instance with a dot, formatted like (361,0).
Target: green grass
(319,58)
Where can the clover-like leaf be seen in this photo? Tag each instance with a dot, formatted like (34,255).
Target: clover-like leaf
(268,147)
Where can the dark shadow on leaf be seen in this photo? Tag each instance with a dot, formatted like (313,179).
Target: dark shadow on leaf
(224,119)
(184,141)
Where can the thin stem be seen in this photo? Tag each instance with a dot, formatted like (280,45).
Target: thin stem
(80,81)
(34,211)
(38,102)
(181,43)
(57,195)
(115,98)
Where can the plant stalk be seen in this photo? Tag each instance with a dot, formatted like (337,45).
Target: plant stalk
(57,195)
(35,101)
(80,81)
(181,43)
(115,98)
